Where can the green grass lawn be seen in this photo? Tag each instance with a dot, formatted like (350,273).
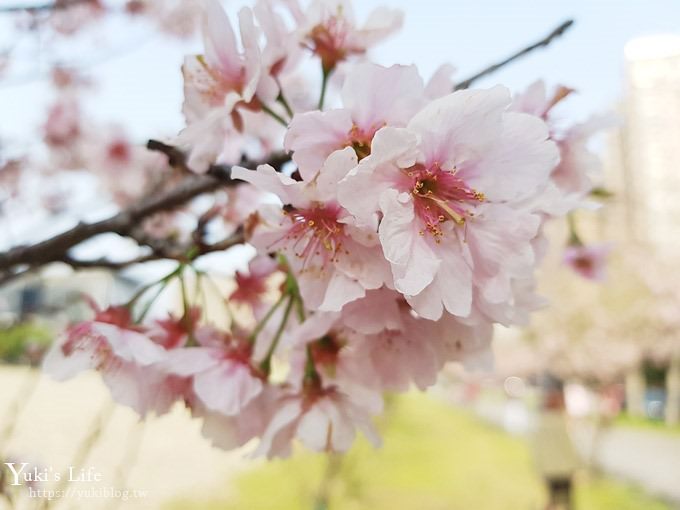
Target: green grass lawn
(434,457)
(625,420)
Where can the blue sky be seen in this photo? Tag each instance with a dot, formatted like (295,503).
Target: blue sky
(473,33)
(140,82)
(141,88)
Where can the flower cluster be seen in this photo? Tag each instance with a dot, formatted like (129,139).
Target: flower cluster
(409,223)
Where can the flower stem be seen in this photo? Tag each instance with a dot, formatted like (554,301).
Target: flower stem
(266,364)
(186,319)
(275,115)
(147,306)
(324,85)
(163,282)
(311,375)
(574,239)
(281,99)
(260,325)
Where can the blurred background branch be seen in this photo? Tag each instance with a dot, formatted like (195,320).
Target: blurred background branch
(127,222)
(557,32)
(46,6)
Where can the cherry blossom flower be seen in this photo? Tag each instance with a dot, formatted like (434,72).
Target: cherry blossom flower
(219,81)
(124,355)
(397,359)
(374,345)
(63,123)
(373,97)
(590,261)
(237,204)
(71,18)
(282,51)
(328,28)
(252,287)
(223,378)
(578,167)
(377,344)
(125,169)
(334,258)
(409,223)
(229,432)
(173,332)
(444,189)
(175,17)
(323,419)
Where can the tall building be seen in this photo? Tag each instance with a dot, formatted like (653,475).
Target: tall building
(644,164)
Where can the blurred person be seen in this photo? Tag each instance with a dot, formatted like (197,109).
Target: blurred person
(553,451)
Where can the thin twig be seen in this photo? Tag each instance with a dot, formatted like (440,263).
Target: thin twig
(125,223)
(495,67)
(104,263)
(169,252)
(47,6)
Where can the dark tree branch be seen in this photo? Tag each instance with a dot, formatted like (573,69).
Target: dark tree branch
(104,263)
(122,223)
(9,276)
(168,252)
(177,159)
(127,222)
(557,32)
(23,259)
(162,251)
(46,6)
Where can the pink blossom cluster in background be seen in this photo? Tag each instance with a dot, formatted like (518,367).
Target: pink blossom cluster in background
(408,223)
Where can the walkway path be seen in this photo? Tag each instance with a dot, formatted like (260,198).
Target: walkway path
(646,457)
(164,457)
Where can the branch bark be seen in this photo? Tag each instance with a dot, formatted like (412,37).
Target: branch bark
(55,249)
(46,6)
(169,252)
(557,32)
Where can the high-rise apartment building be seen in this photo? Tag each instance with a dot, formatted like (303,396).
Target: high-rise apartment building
(643,167)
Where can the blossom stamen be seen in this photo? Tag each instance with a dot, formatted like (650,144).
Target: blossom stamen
(316,233)
(441,196)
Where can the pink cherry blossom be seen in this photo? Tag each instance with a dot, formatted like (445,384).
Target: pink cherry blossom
(335,259)
(229,432)
(388,349)
(223,378)
(536,101)
(173,332)
(444,189)
(323,419)
(252,287)
(328,28)
(373,97)
(224,69)
(590,261)
(63,123)
(175,17)
(77,15)
(578,167)
(282,51)
(219,81)
(391,233)
(124,355)
(125,169)
(393,360)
